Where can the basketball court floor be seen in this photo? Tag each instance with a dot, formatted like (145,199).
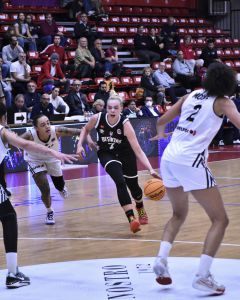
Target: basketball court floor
(90,252)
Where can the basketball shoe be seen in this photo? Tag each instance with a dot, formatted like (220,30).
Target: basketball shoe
(16,280)
(50,218)
(207,284)
(142,216)
(160,268)
(64,193)
(134,225)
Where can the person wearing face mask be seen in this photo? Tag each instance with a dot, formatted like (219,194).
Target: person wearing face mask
(148,109)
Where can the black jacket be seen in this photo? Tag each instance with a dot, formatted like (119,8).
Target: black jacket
(76,103)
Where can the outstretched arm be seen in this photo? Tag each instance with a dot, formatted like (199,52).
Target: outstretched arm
(65,131)
(131,136)
(19,142)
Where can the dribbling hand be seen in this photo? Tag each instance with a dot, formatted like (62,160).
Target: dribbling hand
(81,152)
(154,174)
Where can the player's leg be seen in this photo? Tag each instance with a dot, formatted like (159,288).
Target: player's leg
(54,169)
(211,200)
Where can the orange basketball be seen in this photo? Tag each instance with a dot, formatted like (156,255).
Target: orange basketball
(154,189)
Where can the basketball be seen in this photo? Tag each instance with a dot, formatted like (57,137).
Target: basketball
(154,189)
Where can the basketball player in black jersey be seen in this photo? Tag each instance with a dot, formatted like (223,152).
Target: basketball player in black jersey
(117,151)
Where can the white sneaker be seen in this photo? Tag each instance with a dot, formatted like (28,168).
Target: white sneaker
(160,268)
(207,284)
(236,142)
(221,143)
(64,193)
(50,218)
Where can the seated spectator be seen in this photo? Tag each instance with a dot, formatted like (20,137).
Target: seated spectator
(82,29)
(59,105)
(6,39)
(31,96)
(76,100)
(20,72)
(98,106)
(163,79)
(169,35)
(84,61)
(6,86)
(156,44)
(209,53)
(132,111)
(16,107)
(150,89)
(44,107)
(187,50)
(102,92)
(101,64)
(51,73)
(76,7)
(114,65)
(93,7)
(33,28)
(148,109)
(184,72)
(10,54)
(23,34)
(110,84)
(142,47)
(48,29)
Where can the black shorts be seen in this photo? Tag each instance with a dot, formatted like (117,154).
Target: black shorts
(126,157)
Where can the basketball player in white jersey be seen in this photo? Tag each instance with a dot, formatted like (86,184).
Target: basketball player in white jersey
(184,168)
(8,217)
(45,134)
(118,148)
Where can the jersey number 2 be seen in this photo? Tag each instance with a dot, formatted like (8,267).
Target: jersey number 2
(192,116)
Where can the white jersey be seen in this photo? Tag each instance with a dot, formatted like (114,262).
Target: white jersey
(198,124)
(3,148)
(51,143)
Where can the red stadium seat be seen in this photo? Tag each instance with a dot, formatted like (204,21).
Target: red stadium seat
(3,28)
(98,80)
(122,30)
(120,41)
(126,80)
(146,20)
(229,63)
(124,95)
(201,32)
(228,53)
(147,10)
(114,19)
(132,94)
(236,64)
(200,42)
(125,20)
(129,41)
(155,65)
(236,52)
(111,30)
(71,55)
(127,9)
(182,31)
(91,97)
(132,30)
(135,20)
(183,21)
(116,9)
(4,17)
(137,10)
(101,29)
(116,80)
(32,55)
(36,69)
(191,31)
(136,79)
(155,20)
(192,21)
(198,52)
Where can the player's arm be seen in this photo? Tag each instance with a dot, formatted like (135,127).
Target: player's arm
(172,113)
(12,139)
(27,136)
(65,131)
(227,107)
(131,136)
(85,131)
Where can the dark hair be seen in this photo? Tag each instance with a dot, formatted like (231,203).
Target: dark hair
(101,83)
(35,119)
(211,40)
(220,80)
(3,110)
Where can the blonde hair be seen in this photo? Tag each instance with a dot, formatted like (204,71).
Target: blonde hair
(116,97)
(98,101)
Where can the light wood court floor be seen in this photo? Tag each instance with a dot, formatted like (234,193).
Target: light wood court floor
(90,224)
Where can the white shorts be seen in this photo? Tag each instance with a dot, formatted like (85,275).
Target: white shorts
(52,168)
(190,178)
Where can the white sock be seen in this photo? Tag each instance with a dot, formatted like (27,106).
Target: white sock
(11,258)
(205,264)
(49,209)
(165,248)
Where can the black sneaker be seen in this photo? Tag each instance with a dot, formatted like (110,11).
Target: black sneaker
(17,280)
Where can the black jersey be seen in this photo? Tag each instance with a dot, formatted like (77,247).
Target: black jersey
(111,137)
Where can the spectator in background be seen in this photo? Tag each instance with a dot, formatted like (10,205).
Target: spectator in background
(101,64)
(76,8)
(23,34)
(52,73)
(84,61)
(33,28)
(142,47)
(102,92)
(10,54)
(187,50)
(16,107)
(31,96)
(209,53)
(82,29)
(163,79)
(184,72)
(7,35)
(6,86)
(98,106)
(76,100)
(150,89)
(169,36)
(132,111)
(148,109)
(109,83)
(48,29)
(44,107)
(156,44)
(113,64)
(59,105)
(20,72)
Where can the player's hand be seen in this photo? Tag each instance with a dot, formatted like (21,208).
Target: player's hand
(92,145)
(154,174)
(69,158)
(160,136)
(81,152)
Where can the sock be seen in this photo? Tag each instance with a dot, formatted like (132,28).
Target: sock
(49,209)
(11,258)
(165,248)
(205,264)
(130,215)
(139,203)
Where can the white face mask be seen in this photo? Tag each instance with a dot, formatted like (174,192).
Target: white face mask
(149,103)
